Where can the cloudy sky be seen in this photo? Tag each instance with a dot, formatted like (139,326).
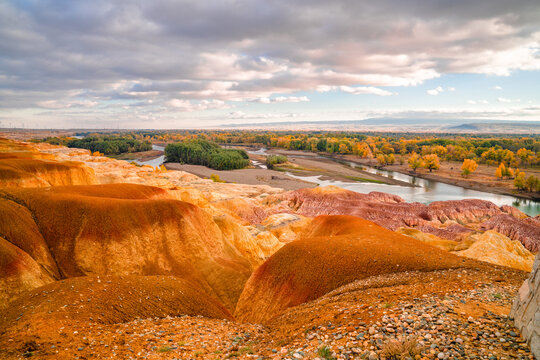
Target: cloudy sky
(178,64)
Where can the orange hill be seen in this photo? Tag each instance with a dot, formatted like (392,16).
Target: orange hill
(334,251)
(124,229)
(23,166)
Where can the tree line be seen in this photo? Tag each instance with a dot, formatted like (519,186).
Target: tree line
(203,152)
(107,145)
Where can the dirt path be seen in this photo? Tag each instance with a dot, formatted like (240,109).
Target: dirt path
(246,176)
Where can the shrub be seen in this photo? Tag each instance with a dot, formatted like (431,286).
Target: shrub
(216,178)
(272,160)
(401,348)
(325,352)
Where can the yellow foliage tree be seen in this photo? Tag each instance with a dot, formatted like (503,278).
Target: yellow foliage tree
(468,167)
(415,161)
(431,162)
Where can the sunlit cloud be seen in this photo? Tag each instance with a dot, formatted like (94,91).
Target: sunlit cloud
(435,91)
(150,61)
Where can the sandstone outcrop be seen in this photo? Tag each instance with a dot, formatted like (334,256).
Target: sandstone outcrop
(285,227)
(127,229)
(334,251)
(19,273)
(526,231)
(498,249)
(451,220)
(489,246)
(526,309)
(18,172)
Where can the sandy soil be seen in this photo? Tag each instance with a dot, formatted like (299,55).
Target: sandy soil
(303,163)
(250,176)
(310,166)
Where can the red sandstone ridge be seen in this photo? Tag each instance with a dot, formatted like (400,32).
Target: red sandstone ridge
(334,251)
(526,231)
(447,219)
(123,229)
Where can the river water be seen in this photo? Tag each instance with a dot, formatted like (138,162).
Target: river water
(153,162)
(424,191)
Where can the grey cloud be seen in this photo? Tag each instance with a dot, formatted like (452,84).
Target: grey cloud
(238,49)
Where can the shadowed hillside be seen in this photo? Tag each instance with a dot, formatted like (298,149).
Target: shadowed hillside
(124,229)
(334,251)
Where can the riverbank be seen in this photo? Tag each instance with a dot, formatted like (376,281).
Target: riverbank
(139,156)
(310,164)
(450,173)
(250,176)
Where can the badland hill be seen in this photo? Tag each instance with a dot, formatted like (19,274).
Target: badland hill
(100,257)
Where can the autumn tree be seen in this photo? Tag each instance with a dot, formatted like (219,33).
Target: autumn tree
(431,162)
(504,172)
(519,180)
(468,167)
(415,161)
(525,156)
(532,184)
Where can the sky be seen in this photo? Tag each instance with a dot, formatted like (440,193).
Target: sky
(194,64)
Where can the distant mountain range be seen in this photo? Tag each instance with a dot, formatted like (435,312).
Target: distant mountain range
(403,125)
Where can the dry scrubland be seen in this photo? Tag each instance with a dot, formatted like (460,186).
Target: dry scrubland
(100,258)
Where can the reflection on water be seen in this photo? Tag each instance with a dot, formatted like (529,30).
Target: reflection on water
(153,162)
(424,191)
(259,164)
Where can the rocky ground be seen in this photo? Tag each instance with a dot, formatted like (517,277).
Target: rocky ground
(222,233)
(468,324)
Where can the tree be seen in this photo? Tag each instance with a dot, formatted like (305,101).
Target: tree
(519,180)
(381,159)
(525,156)
(504,172)
(532,184)
(431,162)
(468,167)
(415,161)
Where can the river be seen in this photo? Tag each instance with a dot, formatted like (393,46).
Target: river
(424,191)
(153,162)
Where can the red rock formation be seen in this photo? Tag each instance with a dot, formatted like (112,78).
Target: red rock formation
(18,273)
(334,251)
(447,219)
(125,229)
(526,231)
(242,209)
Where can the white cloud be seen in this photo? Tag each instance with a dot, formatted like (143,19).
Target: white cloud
(188,106)
(357,90)
(451,89)
(497,87)
(475,102)
(281,99)
(506,100)
(435,91)
(55,104)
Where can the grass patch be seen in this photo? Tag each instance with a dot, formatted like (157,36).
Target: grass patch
(361,179)
(164,349)
(325,352)
(401,348)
